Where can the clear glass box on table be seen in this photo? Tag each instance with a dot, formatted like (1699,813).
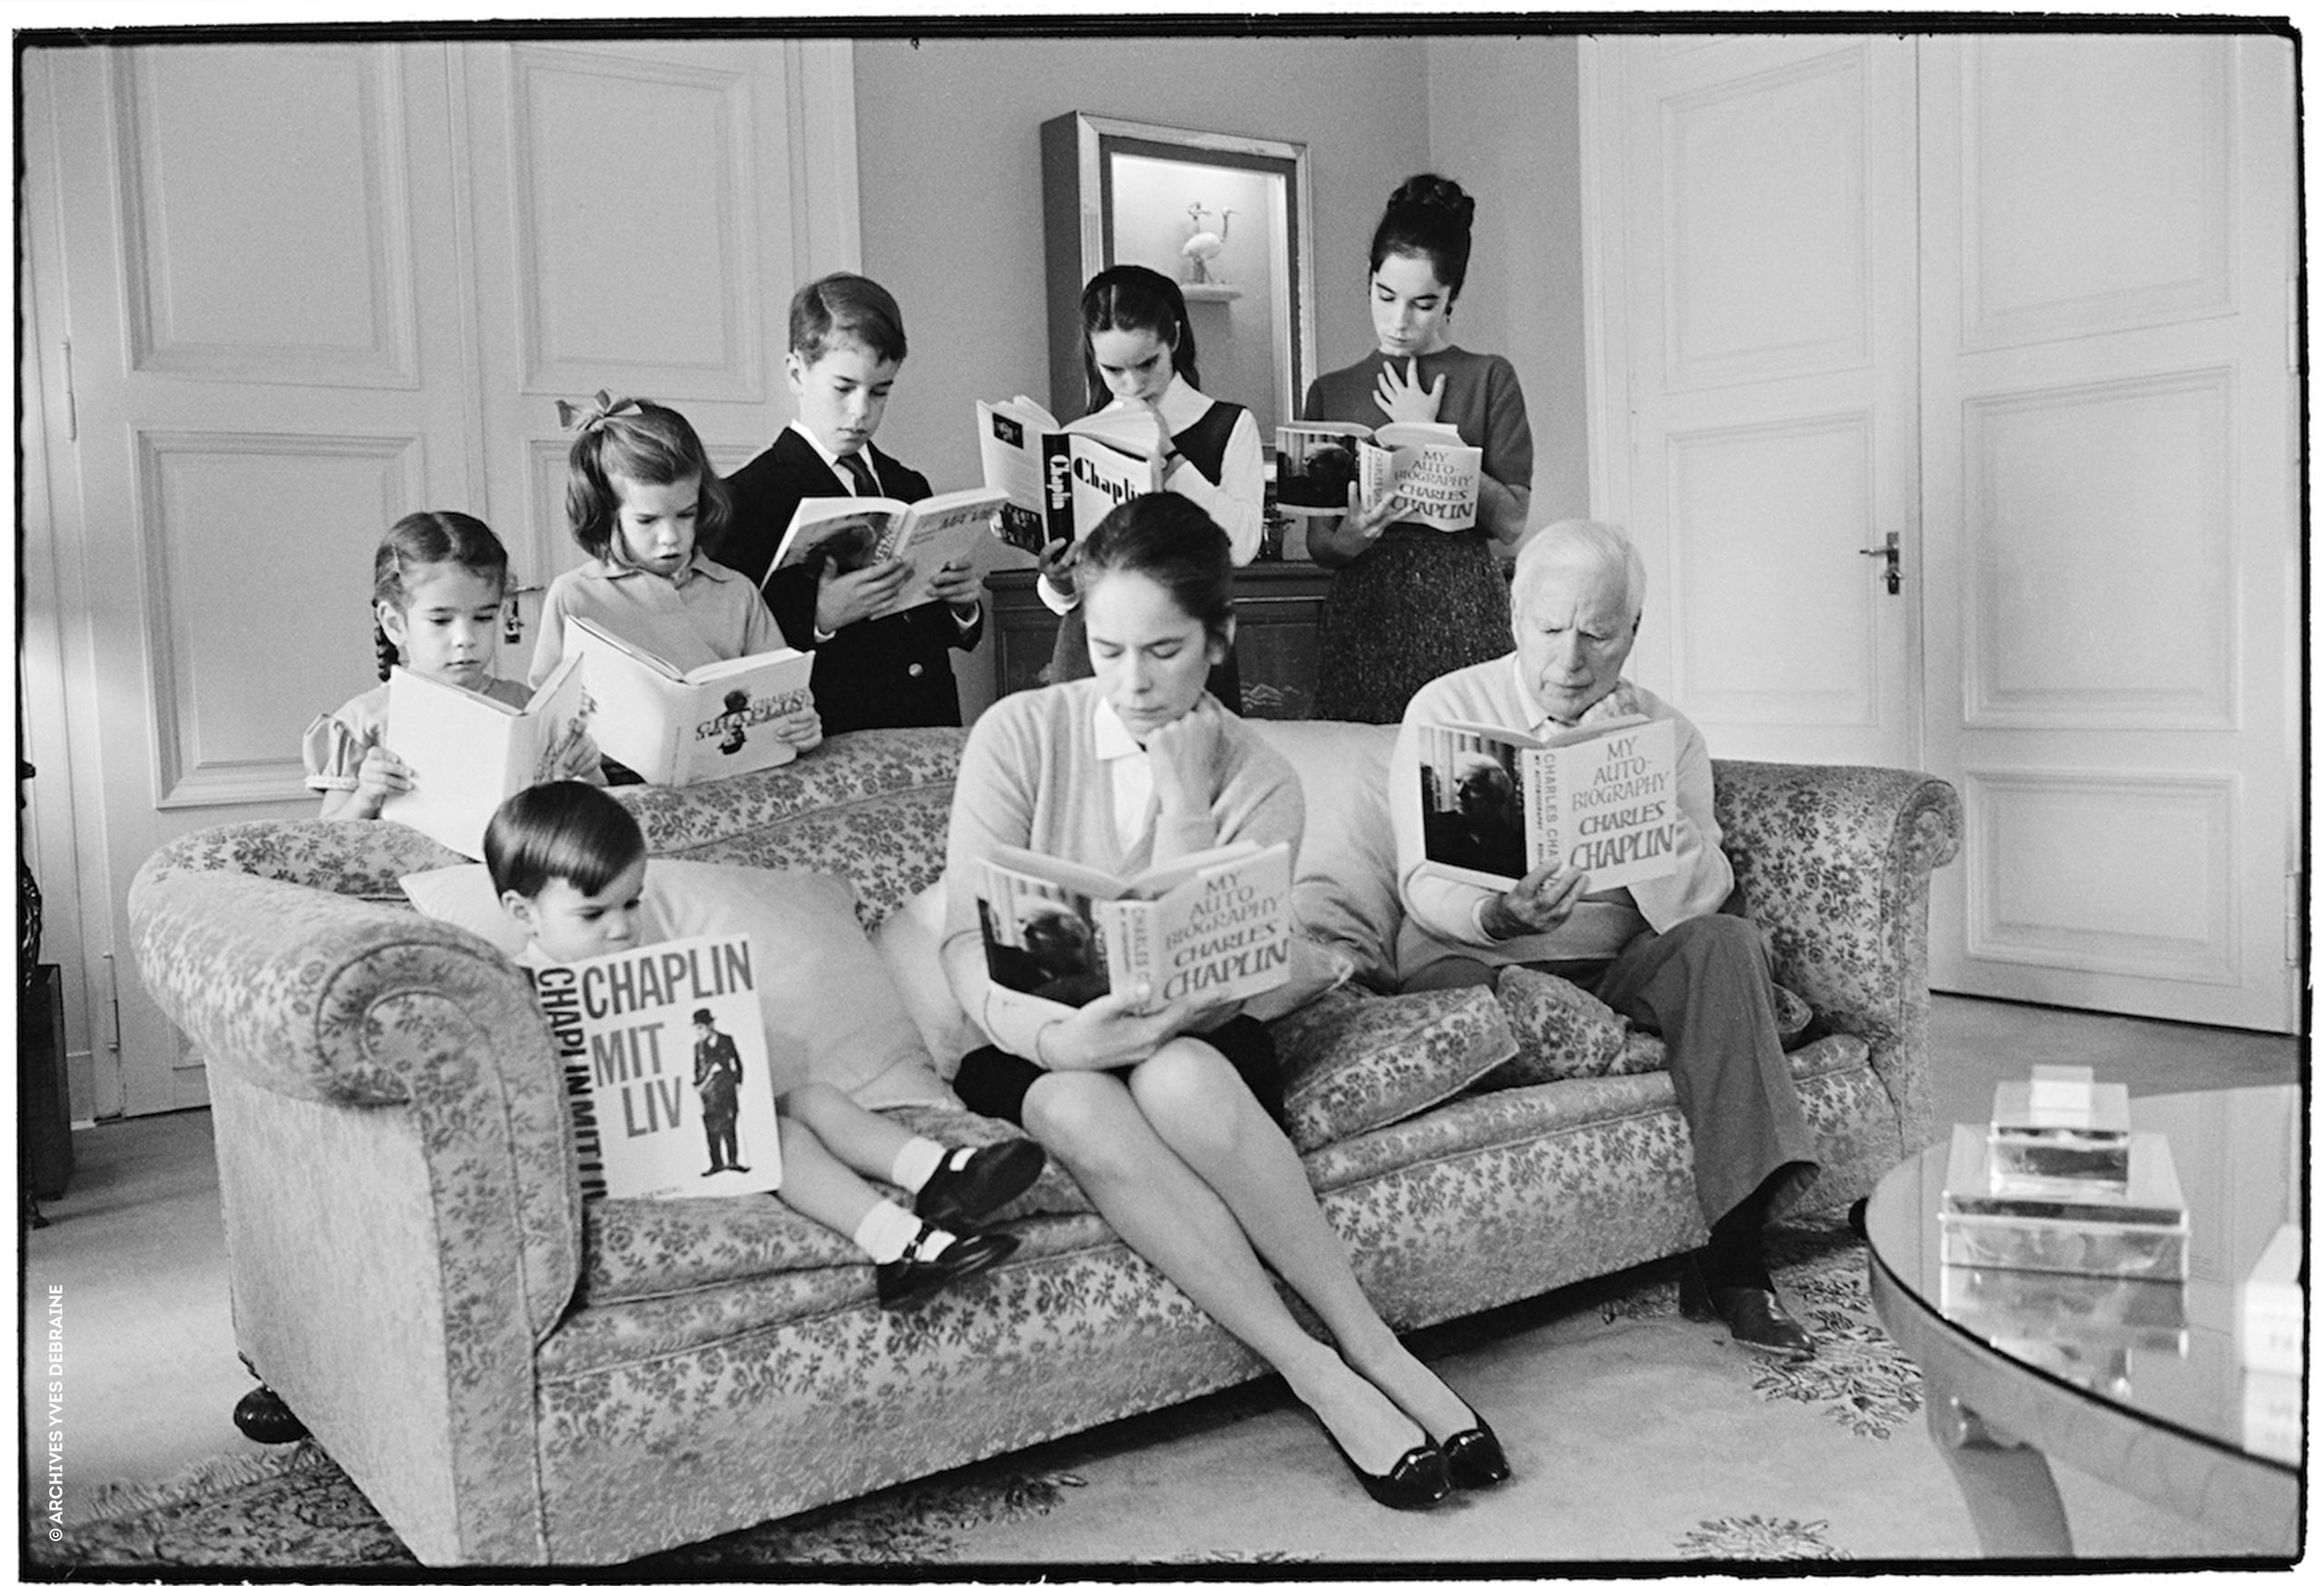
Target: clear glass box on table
(2137,1231)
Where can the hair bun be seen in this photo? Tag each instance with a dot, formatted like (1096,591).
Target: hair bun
(1430,190)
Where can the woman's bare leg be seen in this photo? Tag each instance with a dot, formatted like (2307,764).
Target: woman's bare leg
(1091,1123)
(1203,1111)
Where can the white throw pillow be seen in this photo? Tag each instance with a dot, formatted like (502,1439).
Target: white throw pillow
(909,943)
(824,992)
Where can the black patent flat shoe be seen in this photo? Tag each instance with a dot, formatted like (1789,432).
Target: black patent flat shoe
(992,1176)
(911,1281)
(261,1416)
(1417,1480)
(1474,1458)
(1753,1315)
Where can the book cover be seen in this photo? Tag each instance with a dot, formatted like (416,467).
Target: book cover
(665,1068)
(1009,446)
(1215,927)
(862,531)
(676,728)
(469,751)
(1496,806)
(1428,465)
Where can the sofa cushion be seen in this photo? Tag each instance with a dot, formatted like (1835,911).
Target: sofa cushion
(1352,1061)
(824,992)
(909,943)
(1562,1031)
(1344,887)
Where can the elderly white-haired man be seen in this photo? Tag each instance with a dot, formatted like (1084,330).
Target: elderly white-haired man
(1675,955)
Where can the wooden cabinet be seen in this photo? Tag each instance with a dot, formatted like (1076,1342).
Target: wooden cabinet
(1276,607)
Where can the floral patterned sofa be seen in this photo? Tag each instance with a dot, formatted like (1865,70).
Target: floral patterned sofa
(514,1377)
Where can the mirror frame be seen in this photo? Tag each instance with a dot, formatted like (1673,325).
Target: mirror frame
(1077,209)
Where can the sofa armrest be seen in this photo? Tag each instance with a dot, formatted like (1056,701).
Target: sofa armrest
(328,999)
(1835,862)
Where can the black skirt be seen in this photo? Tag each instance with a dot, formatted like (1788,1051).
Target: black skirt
(994,1082)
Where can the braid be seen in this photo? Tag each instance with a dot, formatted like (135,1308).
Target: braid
(384,646)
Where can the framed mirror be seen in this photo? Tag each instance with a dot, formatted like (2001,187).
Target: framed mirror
(1225,217)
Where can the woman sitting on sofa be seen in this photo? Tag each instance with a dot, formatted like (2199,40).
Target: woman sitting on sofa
(1170,1120)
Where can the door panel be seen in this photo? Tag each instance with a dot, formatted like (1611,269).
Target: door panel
(2109,494)
(1762,229)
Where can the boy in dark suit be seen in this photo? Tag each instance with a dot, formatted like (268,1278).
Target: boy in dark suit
(847,344)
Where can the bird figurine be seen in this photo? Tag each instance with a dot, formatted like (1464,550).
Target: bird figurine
(1203,246)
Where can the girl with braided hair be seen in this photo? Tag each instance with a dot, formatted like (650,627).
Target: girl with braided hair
(438,582)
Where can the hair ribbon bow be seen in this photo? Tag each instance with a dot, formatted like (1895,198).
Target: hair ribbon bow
(587,415)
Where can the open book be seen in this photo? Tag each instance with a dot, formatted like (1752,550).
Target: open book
(467,751)
(1058,481)
(1496,806)
(676,727)
(862,531)
(1214,927)
(665,1068)
(1427,465)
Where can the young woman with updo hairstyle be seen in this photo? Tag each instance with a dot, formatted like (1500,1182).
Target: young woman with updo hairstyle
(1410,603)
(1170,1120)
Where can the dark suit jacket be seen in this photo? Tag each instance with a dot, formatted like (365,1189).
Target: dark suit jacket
(891,672)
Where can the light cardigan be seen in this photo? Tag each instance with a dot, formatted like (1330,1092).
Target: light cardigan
(1030,777)
(1443,916)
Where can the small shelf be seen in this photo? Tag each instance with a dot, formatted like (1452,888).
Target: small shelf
(1209,293)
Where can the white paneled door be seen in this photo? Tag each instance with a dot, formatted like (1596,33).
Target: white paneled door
(2110,391)
(283,293)
(2019,305)
(1756,226)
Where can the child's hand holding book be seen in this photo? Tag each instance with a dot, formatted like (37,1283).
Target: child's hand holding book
(841,598)
(382,775)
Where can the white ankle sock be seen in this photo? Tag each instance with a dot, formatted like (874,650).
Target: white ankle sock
(917,1163)
(887,1228)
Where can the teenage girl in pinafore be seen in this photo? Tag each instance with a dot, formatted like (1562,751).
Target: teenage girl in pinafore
(641,497)
(438,582)
(1137,358)
(1170,1121)
(1410,603)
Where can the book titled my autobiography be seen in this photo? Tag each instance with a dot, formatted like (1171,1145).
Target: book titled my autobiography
(1214,927)
(1495,806)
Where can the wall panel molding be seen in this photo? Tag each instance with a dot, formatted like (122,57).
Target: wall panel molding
(214,659)
(171,269)
(2104,873)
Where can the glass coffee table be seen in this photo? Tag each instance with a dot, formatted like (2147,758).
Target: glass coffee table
(2138,1383)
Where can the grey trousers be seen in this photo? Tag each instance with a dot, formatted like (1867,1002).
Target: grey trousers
(1703,986)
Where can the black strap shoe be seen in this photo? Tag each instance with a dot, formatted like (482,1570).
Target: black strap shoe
(261,1416)
(1753,1314)
(911,1281)
(992,1176)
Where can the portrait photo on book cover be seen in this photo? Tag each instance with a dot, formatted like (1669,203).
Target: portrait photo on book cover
(1046,945)
(1474,809)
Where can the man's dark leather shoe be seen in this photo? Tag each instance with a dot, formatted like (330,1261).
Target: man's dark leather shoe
(1753,1314)
(909,1283)
(261,1416)
(992,1176)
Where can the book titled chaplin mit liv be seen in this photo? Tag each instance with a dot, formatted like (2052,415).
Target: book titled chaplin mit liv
(665,1068)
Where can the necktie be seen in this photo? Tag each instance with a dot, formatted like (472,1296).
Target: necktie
(859,471)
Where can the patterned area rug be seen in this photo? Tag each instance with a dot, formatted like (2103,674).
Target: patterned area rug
(1637,1436)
